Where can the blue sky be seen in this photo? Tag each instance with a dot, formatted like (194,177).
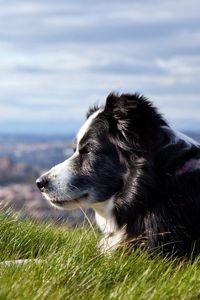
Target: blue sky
(58,57)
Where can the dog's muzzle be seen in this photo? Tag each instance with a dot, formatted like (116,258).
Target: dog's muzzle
(42,182)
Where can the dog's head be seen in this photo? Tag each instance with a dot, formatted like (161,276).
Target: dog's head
(123,130)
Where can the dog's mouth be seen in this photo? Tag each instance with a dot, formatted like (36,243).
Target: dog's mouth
(76,201)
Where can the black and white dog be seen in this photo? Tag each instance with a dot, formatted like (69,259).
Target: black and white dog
(141,177)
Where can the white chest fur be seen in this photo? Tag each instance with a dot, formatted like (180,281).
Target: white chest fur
(113,236)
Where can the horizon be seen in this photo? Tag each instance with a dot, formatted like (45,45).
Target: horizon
(71,127)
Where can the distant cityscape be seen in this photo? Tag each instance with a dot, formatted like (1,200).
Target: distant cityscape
(22,159)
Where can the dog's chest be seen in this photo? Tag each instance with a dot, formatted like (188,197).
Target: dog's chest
(113,236)
(106,225)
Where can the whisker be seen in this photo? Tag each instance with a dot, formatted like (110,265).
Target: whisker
(85,215)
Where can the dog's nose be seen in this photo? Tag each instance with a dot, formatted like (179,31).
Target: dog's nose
(41,182)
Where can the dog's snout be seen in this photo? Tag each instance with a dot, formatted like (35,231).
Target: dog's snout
(41,182)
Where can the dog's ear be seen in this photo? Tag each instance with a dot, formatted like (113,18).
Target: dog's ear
(91,110)
(121,109)
(132,120)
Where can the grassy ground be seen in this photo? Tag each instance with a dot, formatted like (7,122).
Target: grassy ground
(72,268)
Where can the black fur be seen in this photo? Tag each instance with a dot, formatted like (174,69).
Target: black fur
(91,110)
(154,204)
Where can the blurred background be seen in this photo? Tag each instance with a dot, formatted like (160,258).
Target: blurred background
(59,57)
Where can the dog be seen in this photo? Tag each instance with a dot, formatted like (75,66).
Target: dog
(140,176)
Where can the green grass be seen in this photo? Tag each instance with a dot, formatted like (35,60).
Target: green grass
(72,268)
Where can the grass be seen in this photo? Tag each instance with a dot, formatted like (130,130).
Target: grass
(70,267)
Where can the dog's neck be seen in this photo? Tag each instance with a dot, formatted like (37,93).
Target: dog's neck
(189,166)
(113,236)
(104,216)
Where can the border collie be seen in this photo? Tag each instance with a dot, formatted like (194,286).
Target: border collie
(141,177)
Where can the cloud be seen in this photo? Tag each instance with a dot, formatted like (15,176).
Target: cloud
(57,58)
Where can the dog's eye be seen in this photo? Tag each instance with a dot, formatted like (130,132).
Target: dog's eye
(84,150)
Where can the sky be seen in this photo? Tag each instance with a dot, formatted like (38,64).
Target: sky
(59,57)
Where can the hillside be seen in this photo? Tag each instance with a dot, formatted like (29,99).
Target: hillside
(69,266)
